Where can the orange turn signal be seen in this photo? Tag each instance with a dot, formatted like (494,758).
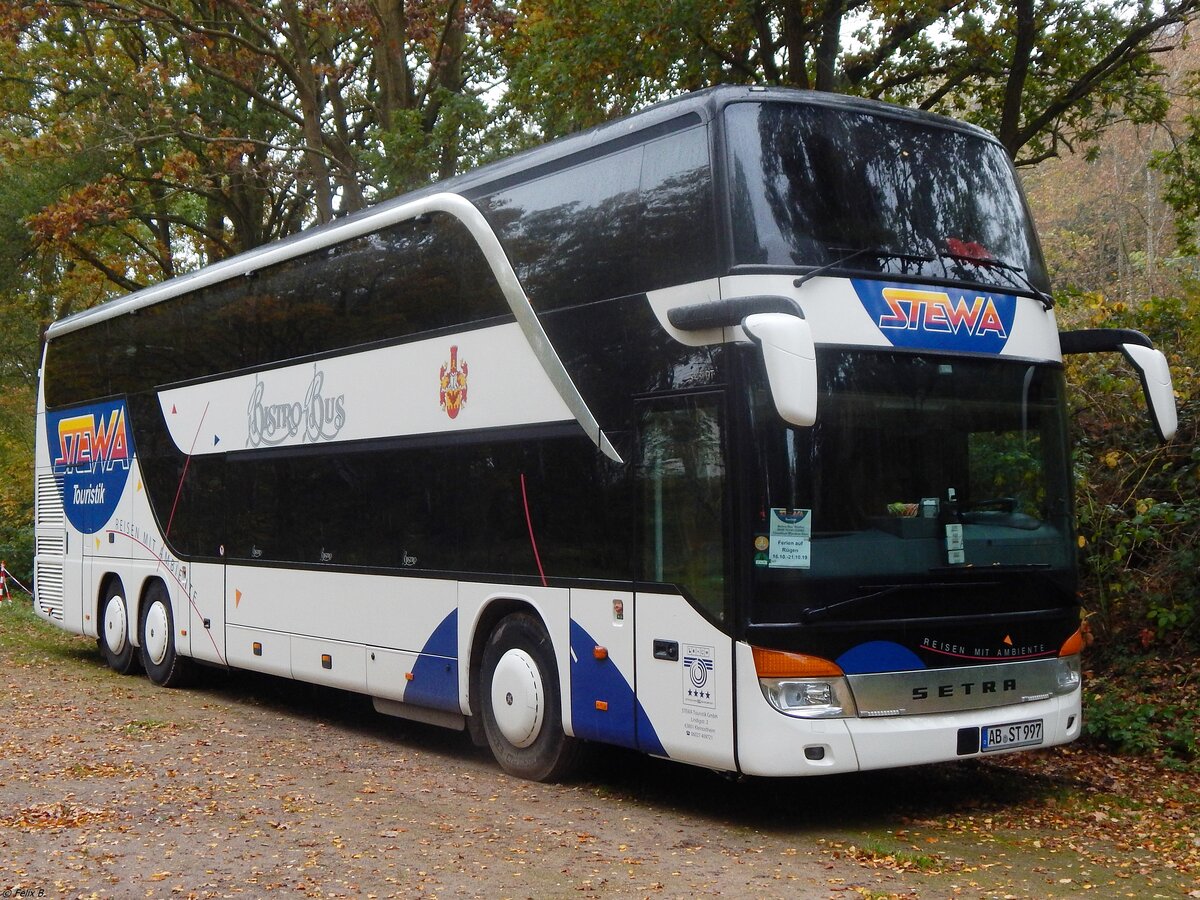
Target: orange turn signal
(1073,645)
(777,664)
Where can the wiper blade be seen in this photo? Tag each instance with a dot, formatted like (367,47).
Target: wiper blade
(984,568)
(990,262)
(851,253)
(820,612)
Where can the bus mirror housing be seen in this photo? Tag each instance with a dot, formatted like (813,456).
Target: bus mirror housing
(1151,366)
(790,356)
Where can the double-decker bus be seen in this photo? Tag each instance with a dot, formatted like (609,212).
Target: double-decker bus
(732,431)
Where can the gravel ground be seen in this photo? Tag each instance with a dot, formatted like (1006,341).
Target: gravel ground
(248,786)
(110,786)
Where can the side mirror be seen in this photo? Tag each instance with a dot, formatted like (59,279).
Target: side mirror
(790,355)
(1151,366)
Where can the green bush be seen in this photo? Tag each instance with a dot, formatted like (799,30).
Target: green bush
(1128,715)
(1138,502)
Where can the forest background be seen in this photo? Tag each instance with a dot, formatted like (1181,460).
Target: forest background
(140,140)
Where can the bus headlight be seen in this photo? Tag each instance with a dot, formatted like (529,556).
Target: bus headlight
(809,699)
(1069,674)
(805,686)
(1070,666)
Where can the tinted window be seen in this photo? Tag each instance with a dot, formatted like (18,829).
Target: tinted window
(458,509)
(677,231)
(681,483)
(632,221)
(813,185)
(906,446)
(411,278)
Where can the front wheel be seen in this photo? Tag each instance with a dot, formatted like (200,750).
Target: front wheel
(163,665)
(522,710)
(115,646)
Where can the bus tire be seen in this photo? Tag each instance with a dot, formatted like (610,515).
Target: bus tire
(115,646)
(156,633)
(520,700)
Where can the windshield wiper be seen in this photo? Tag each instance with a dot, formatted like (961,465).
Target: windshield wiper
(851,253)
(821,612)
(950,578)
(990,262)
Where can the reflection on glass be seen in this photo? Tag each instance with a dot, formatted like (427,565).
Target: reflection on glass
(905,445)
(814,185)
(682,484)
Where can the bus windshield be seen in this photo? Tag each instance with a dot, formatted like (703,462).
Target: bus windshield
(919,470)
(815,186)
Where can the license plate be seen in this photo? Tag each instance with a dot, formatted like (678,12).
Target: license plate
(1012,734)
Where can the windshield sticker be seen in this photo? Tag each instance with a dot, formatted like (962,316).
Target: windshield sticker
(791,539)
(762,544)
(951,319)
(90,449)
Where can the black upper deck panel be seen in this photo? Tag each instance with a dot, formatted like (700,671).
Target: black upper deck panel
(689,111)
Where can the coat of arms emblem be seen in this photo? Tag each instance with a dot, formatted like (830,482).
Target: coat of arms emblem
(453,393)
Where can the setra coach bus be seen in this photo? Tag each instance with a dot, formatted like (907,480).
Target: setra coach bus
(732,431)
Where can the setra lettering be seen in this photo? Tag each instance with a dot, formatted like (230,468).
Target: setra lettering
(965,688)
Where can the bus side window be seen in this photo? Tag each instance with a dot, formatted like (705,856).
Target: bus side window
(681,485)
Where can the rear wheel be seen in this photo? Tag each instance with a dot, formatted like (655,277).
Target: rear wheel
(162,663)
(115,646)
(521,702)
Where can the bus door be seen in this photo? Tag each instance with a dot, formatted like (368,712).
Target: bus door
(684,655)
(205,585)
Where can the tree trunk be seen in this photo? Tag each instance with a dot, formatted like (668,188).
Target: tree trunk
(308,88)
(395,81)
(1014,89)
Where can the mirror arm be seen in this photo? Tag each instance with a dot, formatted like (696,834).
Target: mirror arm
(727,313)
(1150,364)
(1101,340)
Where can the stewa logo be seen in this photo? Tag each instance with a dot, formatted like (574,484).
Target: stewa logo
(315,418)
(90,449)
(939,320)
(87,442)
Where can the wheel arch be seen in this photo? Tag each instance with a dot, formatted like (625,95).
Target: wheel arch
(544,748)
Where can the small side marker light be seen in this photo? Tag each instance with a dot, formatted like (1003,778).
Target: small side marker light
(257,648)
(600,652)
(326,661)
(408,676)
(602,705)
